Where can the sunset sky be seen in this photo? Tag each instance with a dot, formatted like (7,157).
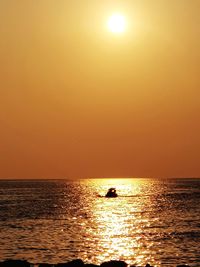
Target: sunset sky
(78,101)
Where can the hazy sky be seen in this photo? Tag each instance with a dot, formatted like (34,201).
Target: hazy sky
(77,101)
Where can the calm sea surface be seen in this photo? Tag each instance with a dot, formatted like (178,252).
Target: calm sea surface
(155,221)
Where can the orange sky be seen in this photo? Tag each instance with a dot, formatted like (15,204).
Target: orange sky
(77,101)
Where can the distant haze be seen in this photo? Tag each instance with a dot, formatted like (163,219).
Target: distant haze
(77,101)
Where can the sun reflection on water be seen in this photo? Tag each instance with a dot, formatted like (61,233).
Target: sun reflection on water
(113,218)
(58,221)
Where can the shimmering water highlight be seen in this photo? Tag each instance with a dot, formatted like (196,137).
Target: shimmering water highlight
(155,221)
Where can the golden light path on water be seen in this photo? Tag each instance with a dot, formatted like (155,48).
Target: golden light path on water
(114,237)
(58,221)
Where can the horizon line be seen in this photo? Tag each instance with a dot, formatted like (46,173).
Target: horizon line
(90,178)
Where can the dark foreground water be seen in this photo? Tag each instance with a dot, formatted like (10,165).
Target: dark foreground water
(155,221)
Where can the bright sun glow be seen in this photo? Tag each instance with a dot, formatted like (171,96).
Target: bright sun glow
(117,23)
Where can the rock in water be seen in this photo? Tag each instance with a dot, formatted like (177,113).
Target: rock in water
(91,265)
(14,263)
(45,265)
(114,264)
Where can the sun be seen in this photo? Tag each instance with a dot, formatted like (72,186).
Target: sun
(117,23)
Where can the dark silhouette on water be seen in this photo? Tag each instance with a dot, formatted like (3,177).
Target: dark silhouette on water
(15,263)
(74,263)
(111,192)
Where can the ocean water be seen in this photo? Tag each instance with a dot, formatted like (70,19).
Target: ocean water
(152,221)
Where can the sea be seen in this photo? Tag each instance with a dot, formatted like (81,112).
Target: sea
(154,221)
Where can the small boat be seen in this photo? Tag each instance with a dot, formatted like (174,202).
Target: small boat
(111,193)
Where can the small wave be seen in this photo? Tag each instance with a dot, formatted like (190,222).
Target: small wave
(122,196)
(190,234)
(33,248)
